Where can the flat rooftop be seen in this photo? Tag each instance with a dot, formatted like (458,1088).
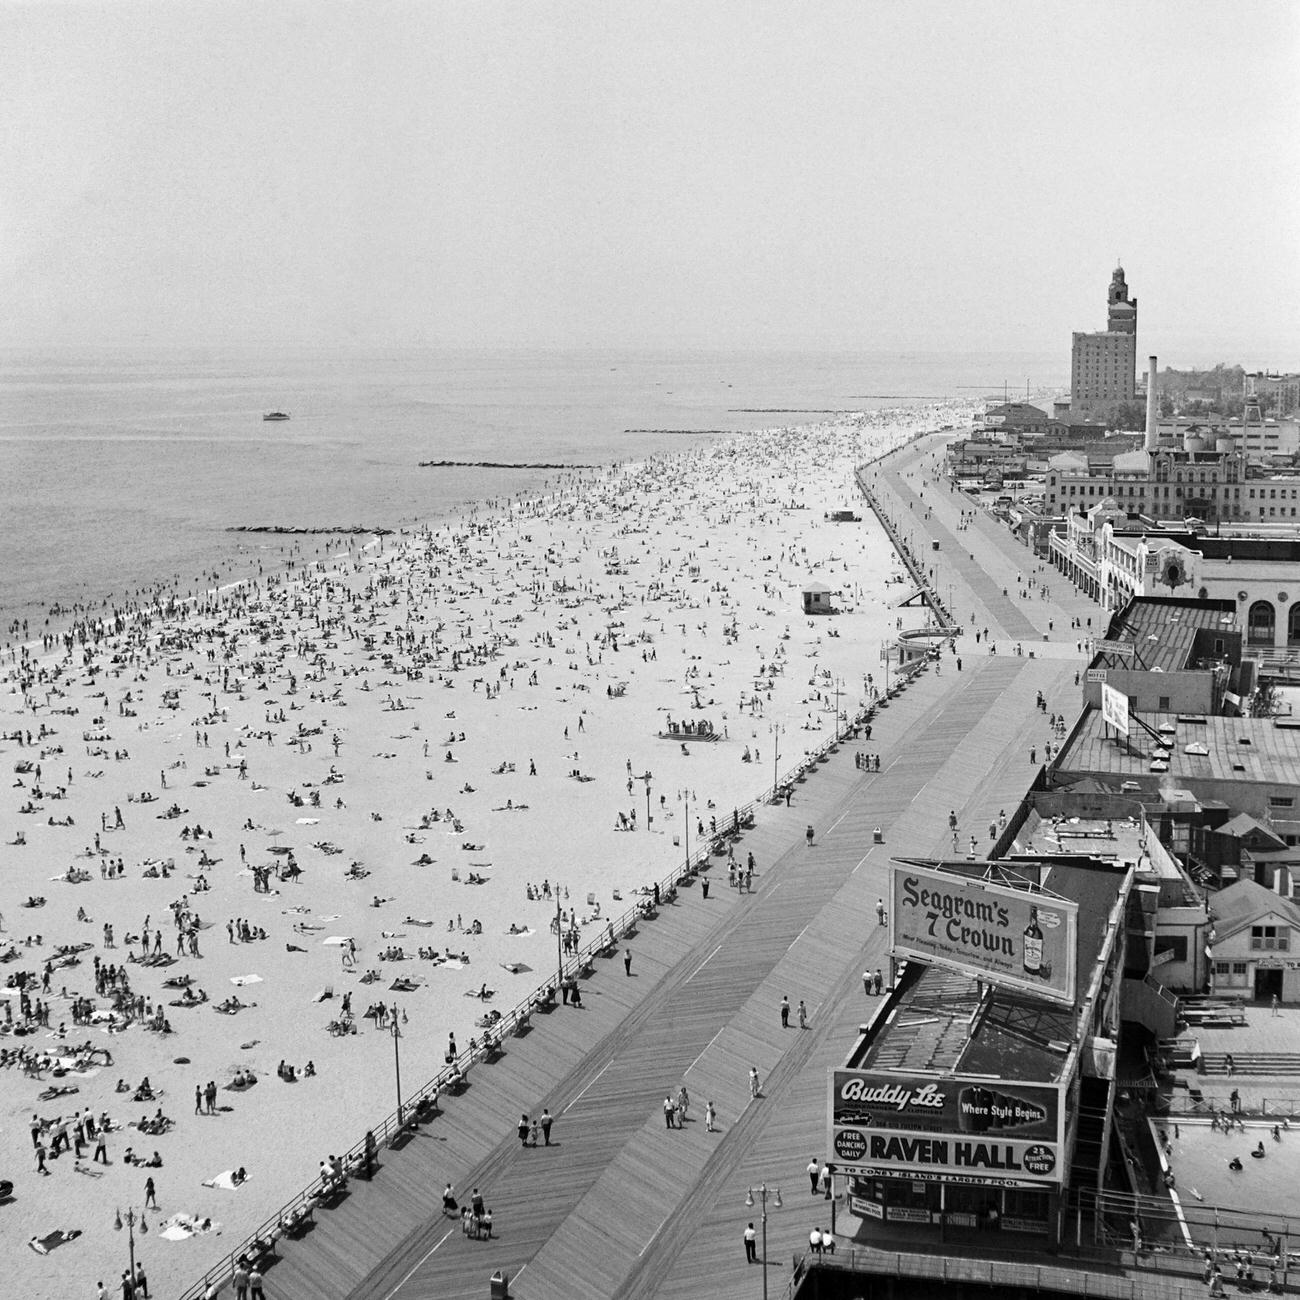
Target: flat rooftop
(942,1022)
(1210,748)
(1164,631)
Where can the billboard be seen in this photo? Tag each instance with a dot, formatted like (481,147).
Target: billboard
(1014,938)
(956,1128)
(1114,708)
(1125,649)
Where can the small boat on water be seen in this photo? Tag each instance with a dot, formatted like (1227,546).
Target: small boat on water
(276,415)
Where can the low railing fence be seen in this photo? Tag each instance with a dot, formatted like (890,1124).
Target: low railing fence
(422,1103)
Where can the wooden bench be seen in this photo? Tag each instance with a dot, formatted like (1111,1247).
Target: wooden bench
(292,1223)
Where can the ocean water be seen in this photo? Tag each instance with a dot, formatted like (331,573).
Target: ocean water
(121,471)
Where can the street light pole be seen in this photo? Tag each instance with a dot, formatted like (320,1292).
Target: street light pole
(839,682)
(130,1221)
(397,1064)
(776,754)
(776,1201)
(559,940)
(686,818)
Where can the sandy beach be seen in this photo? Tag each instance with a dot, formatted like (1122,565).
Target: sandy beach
(376,782)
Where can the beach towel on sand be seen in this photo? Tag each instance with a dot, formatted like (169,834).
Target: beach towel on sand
(225,1181)
(52,1240)
(180,1227)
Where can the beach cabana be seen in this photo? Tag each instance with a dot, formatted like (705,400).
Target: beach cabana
(817,599)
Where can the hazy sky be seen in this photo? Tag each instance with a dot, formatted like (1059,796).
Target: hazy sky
(857,175)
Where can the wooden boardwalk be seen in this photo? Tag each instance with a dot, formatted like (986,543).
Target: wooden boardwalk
(619,1206)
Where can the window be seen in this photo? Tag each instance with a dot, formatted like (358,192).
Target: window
(1281,801)
(1163,705)
(1270,938)
(1260,623)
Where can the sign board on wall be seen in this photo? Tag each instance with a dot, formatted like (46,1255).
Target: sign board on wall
(959,1129)
(1105,646)
(1114,708)
(1010,937)
(1096,674)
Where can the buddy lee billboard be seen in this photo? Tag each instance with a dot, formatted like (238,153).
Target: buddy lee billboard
(1010,937)
(959,1129)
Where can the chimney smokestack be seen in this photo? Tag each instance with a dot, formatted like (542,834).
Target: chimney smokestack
(1153,411)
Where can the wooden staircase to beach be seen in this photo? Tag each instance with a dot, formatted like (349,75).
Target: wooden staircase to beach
(1278,1063)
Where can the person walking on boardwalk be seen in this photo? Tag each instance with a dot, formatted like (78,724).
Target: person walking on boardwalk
(710,1118)
(523,1127)
(627,961)
(670,1109)
(785,1012)
(751,1246)
(754,1088)
(803,1015)
(547,1121)
(808,835)
(814,1170)
(880,911)
(683,1105)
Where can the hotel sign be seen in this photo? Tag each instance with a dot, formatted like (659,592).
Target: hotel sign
(1010,937)
(959,1129)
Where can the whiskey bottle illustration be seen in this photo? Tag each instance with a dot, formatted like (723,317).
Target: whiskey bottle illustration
(1033,958)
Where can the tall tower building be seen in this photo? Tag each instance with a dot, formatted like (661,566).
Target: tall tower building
(1103,366)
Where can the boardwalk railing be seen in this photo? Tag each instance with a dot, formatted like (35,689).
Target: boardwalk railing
(995,1274)
(944,616)
(1110,1270)
(423,1103)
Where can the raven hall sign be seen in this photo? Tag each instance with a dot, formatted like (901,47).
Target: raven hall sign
(965,1128)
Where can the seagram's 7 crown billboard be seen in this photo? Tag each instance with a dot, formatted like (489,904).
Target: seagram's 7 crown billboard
(1013,938)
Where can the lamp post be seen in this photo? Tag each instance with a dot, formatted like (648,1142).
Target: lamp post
(559,939)
(776,1201)
(397,1064)
(130,1219)
(776,755)
(686,821)
(839,685)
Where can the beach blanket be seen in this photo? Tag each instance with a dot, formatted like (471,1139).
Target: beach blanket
(225,1181)
(180,1227)
(336,939)
(245,979)
(53,1240)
